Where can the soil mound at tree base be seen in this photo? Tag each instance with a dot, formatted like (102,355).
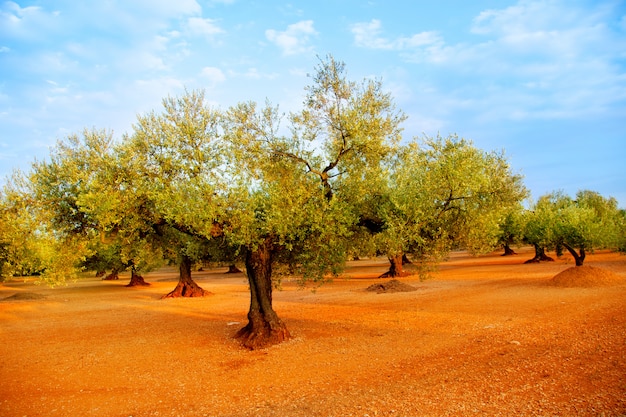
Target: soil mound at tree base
(391,286)
(585,276)
(24,296)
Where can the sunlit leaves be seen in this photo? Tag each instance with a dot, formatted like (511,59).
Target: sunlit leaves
(446,193)
(320,184)
(588,222)
(20,231)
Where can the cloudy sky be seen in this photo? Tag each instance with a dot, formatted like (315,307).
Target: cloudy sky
(545,80)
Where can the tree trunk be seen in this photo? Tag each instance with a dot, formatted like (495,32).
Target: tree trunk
(114,275)
(579,258)
(507,250)
(540,256)
(395,267)
(264,328)
(186,286)
(136,280)
(232,269)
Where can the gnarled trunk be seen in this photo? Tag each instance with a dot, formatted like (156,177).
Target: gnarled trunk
(264,328)
(579,258)
(507,250)
(232,269)
(136,280)
(395,267)
(186,286)
(114,275)
(540,256)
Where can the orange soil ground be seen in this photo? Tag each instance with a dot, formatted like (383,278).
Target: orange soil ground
(485,336)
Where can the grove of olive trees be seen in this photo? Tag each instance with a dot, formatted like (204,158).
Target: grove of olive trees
(192,183)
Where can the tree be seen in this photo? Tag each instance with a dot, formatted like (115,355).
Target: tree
(277,213)
(84,192)
(294,200)
(185,249)
(537,228)
(579,225)
(174,160)
(511,230)
(586,223)
(22,245)
(58,189)
(621,219)
(445,193)
(105,257)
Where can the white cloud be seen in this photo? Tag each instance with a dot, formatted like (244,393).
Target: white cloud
(203,27)
(535,59)
(527,17)
(295,39)
(25,22)
(252,73)
(165,8)
(213,74)
(368,35)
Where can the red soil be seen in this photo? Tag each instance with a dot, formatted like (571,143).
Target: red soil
(484,336)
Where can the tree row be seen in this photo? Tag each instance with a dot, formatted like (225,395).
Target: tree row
(273,193)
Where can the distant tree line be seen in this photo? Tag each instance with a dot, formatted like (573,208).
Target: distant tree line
(193,184)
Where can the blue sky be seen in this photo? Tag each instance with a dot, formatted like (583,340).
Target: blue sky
(544,80)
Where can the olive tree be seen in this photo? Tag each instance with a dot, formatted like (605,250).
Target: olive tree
(174,158)
(445,193)
(22,239)
(588,222)
(537,228)
(295,196)
(57,189)
(511,230)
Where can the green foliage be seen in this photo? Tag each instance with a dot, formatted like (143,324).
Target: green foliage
(281,201)
(586,223)
(303,191)
(21,237)
(174,160)
(197,182)
(621,222)
(512,227)
(68,193)
(444,193)
(590,221)
(353,129)
(175,157)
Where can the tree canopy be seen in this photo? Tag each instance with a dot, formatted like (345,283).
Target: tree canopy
(583,224)
(444,193)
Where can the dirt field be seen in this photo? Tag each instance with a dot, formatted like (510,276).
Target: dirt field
(486,336)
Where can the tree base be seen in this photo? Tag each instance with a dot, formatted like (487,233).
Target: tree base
(262,335)
(536,260)
(113,276)
(232,269)
(137,281)
(187,290)
(391,274)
